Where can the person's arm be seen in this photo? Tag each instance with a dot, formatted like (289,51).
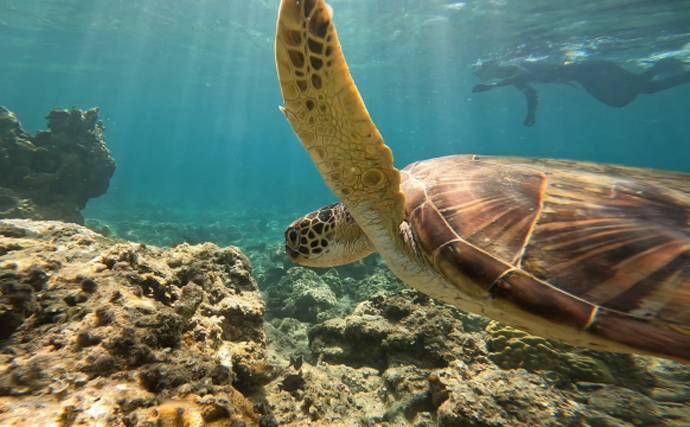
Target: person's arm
(483,87)
(512,74)
(530,94)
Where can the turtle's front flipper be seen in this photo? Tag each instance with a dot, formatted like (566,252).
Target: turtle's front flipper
(325,110)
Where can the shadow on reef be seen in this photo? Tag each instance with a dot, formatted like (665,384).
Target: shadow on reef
(53,174)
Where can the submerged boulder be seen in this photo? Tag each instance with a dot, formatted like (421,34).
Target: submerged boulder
(301,294)
(396,329)
(51,175)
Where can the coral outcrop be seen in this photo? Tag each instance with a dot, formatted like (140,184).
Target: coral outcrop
(301,294)
(98,333)
(403,359)
(468,397)
(317,294)
(396,329)
(51,175)
(511,348)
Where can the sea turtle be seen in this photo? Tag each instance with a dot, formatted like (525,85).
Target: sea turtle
(589,254)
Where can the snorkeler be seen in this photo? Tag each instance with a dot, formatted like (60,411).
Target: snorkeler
(603,79)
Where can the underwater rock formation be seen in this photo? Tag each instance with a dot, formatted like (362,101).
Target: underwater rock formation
(510,348)
(99,333)
(405,359)
(304,294)
(301,294)
(517,398)
(398,329)
(96,331)
(53,174)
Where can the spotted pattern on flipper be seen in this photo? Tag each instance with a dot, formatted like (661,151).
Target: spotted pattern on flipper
(324,108)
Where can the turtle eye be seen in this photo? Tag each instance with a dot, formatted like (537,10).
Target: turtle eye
(292,236)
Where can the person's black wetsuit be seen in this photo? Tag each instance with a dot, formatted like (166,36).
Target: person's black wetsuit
(603,79)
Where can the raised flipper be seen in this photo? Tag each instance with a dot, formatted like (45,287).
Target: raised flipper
(327,113)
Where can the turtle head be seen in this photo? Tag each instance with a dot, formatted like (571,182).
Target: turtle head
(327,237)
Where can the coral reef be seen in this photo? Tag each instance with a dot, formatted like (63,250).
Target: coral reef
(317,294)
(465,396)
(401,358)
(53,174)
(396,329)
(171,234)
(147,333)
(164,224)
(405,359)
(303,295)
(511,348)
(564,364)
(96,331)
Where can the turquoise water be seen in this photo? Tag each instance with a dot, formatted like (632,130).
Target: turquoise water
(189,95)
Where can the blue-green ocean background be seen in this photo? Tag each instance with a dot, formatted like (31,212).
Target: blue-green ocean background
(188,93)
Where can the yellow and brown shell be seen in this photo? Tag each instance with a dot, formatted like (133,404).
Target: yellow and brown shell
(597,248)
